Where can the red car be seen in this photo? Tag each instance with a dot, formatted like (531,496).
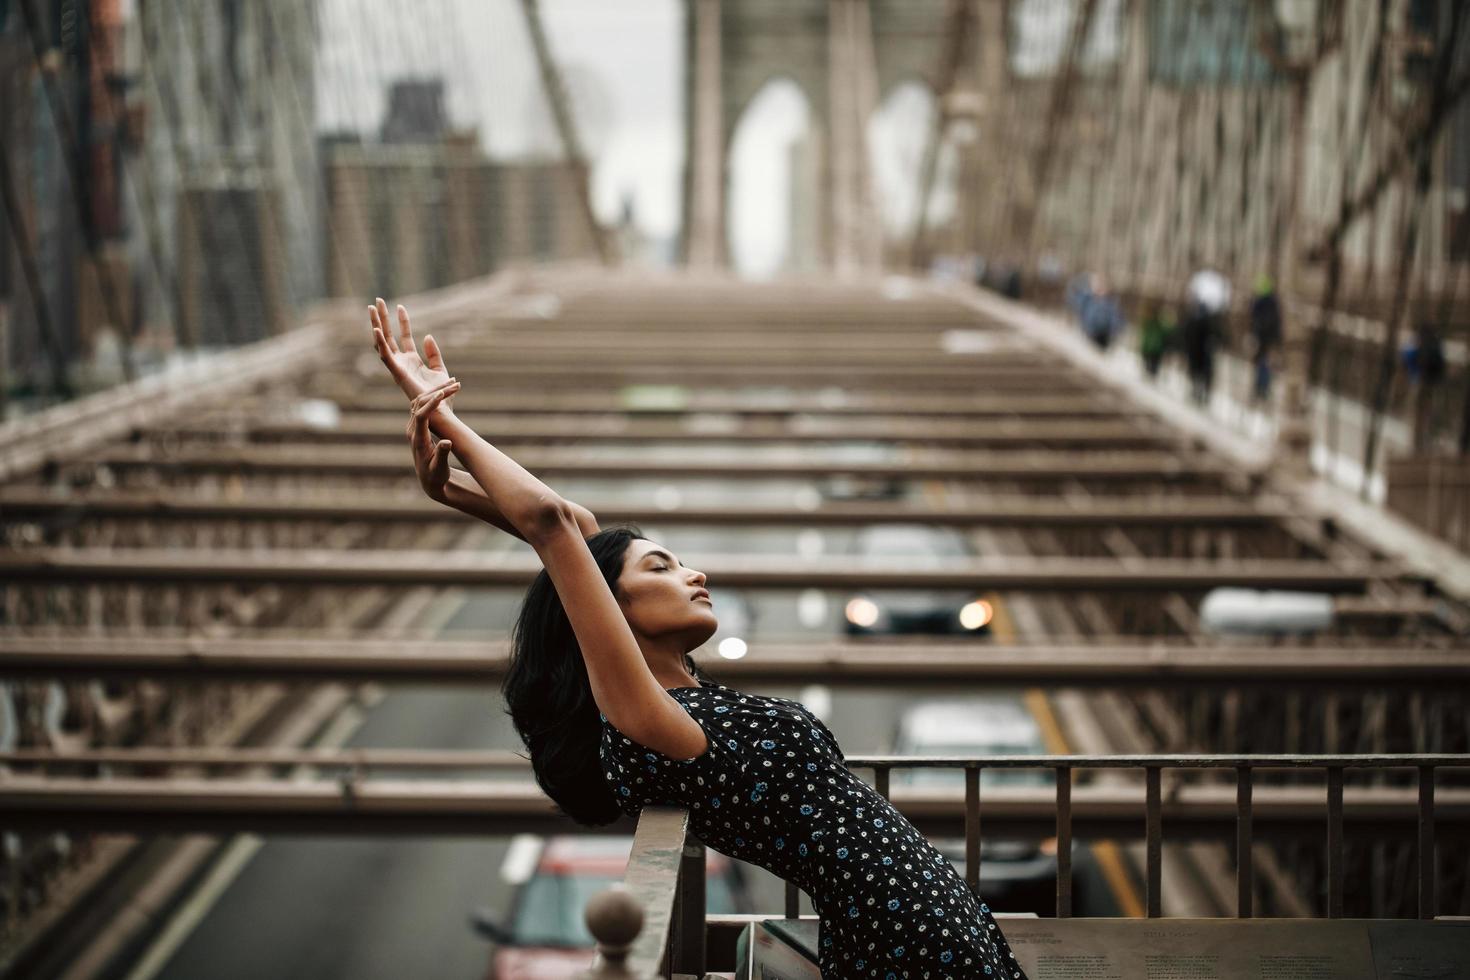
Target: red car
(546,937)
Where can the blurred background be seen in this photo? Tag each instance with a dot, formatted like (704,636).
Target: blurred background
(778,279)
(188,177)
(184,176)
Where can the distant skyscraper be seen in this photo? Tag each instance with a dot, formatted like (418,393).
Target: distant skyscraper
(415,112)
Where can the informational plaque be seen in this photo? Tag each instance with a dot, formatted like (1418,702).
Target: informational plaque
(1440,950)
(1194,949)
(1239,949)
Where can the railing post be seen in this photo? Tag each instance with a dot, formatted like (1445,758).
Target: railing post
(1244,844)
(1154,843)
(688,954)
(1064,842)
(1426,843)
(1334,842)
(972,828)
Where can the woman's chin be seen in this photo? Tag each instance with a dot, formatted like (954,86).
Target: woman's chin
(701,633)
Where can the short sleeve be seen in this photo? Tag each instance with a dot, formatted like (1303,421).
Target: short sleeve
(826,734)
(640,776)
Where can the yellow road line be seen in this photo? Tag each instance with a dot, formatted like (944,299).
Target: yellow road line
(1107,854)
(1109,857)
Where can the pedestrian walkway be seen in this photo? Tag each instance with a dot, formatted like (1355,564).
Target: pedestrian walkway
(1233,429)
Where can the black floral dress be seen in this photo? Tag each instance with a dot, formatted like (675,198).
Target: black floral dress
(773,789)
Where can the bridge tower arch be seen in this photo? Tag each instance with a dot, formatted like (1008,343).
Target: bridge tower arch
(842,54)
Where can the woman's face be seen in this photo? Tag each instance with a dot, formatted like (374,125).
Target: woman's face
(663,599)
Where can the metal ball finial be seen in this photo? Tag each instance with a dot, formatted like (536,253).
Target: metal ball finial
(614,918)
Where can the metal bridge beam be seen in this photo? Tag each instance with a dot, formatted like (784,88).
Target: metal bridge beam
(393,461)
(22,503)
(469,569)
(1095,664)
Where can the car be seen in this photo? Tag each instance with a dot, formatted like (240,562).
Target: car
(545,936)
(876,612)
(857,486)
(1015,875)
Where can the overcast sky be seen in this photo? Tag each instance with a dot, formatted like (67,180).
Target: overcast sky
(623,61)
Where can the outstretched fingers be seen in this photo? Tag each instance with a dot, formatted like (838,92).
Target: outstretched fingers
(405,334)
(432,355)
(381,342)
(379,319)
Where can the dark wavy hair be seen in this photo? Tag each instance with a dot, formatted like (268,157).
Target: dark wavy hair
(549,697)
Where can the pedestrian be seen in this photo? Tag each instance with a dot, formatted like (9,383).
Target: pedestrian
(1102,320)
(616,716)
(1210,290)
(1198,335)
(1265,336)
(1424,364)
(1155,337)
(1207,297)
(1079,291)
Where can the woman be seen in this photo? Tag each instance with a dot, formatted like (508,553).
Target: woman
(605,695)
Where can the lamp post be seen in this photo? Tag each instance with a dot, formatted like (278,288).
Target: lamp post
(1296,46)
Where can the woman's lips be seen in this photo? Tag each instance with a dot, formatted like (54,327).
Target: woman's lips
(702,594)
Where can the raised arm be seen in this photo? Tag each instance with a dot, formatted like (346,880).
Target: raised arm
(423,379)
(622,683)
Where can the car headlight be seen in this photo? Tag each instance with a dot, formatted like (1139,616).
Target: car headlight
(976,614)
(863,612)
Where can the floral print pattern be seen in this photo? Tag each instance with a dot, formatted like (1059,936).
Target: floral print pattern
(773,789)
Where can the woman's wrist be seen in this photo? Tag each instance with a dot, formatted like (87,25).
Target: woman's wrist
(440,421)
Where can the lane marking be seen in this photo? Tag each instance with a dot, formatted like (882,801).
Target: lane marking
(237,854)
(1108,855)
(233,860)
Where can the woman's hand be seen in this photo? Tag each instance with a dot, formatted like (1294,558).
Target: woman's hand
(414,375)
(430,458)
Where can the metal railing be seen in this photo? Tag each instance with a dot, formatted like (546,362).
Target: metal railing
(665,876)
(686,891)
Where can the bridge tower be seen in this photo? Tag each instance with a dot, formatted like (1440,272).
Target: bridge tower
(845,56)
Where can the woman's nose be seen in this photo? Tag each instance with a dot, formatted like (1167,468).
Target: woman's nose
(697,577)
